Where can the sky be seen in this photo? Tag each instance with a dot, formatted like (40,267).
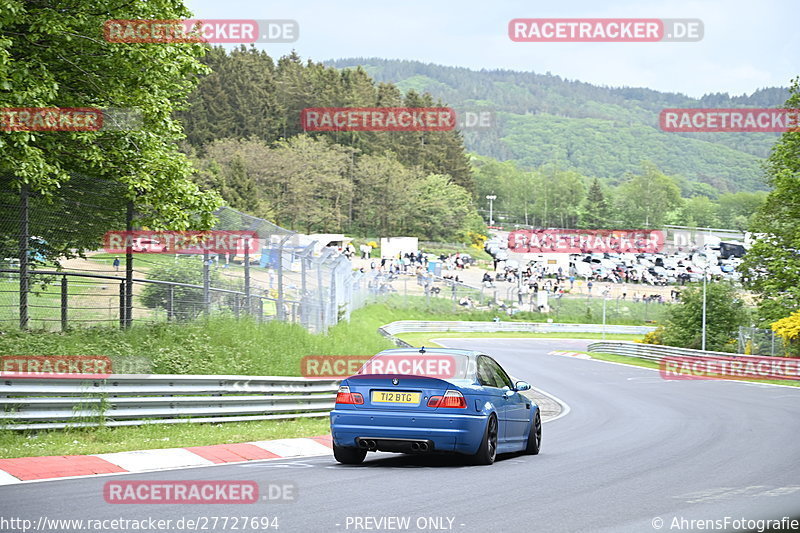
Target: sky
(747,44)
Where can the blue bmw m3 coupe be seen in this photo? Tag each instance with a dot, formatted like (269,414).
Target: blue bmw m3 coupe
(429,401)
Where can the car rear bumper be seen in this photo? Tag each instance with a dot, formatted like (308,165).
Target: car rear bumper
(446,432)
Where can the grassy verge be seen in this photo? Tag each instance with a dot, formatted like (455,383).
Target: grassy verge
(424,339)
(633,361)
(229,346)
(147,437)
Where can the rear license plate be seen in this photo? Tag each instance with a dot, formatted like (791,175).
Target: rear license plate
(381,396)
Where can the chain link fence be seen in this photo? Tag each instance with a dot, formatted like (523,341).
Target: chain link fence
(755,341)
(54,273)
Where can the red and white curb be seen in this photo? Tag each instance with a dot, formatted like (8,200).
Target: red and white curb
(570,354)
(39,468)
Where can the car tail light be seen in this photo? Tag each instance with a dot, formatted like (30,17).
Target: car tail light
(452,399)
(345,396)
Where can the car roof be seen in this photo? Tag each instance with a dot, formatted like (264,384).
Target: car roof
(431,351)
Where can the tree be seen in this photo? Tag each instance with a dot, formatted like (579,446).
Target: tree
(596,213)
(558,195)
(384,195)
(699,211)
(725,312)
(645,199)
(237,99)
(735,210)
(443,211)
(771,267)
(52,54)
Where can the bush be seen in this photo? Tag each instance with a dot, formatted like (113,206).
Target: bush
(183,303)
(654,337)
(725,312)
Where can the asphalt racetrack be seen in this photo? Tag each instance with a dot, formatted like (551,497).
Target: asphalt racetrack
(634,453)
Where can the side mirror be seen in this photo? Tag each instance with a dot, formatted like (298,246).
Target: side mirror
(521,386)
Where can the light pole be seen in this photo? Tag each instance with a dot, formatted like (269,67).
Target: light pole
(703,342)
(704,264)
(491,199)
(605,297)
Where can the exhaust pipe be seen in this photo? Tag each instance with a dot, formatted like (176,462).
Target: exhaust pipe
(415,446)
(372,445)
(423,446)
(362,444)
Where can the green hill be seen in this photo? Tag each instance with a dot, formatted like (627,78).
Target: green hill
(599,131)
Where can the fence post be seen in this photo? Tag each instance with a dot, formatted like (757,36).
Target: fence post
(303,290)
(246,277)
(206,284)
(280,314)
(64,303)
(23,257)
(171,303)
(122,304)
(129,267)
(320,291)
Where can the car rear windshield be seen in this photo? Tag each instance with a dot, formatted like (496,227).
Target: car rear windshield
(432,365)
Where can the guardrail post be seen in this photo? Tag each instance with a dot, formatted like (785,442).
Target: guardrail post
(64,303)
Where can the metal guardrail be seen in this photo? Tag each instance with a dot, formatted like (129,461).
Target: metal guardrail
(133,399)
(656,352)
(412,326)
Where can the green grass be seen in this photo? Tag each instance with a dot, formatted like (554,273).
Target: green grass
(147,437)
(590,311)
(90,300)
(633,361)
(424,339)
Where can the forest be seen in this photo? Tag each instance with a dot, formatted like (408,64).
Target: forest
(561,153)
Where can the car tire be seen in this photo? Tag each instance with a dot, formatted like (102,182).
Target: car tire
(488,449)
(348,455)
(535,436)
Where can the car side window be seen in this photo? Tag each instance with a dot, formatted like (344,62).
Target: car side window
(501,378)
(485,375)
